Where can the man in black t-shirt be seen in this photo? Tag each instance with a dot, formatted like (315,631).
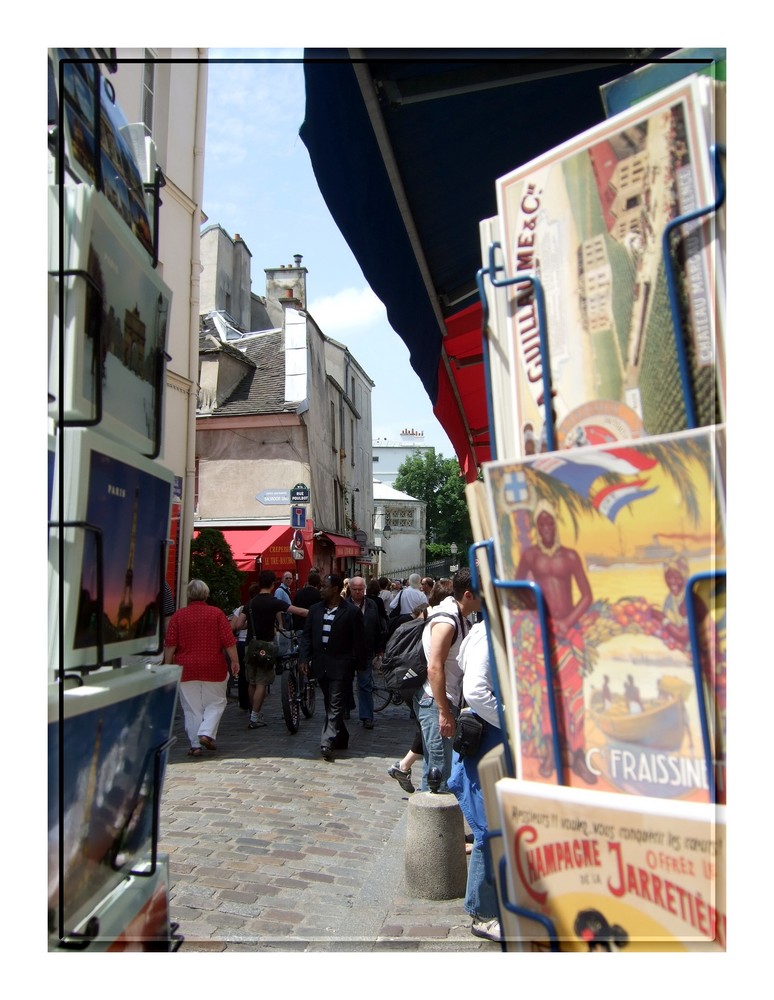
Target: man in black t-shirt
(260,616)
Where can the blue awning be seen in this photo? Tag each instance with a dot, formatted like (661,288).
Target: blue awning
(406,146)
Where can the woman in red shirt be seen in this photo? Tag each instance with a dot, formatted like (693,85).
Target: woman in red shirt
(197,638)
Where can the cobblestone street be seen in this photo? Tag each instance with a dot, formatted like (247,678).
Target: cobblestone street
(273,849)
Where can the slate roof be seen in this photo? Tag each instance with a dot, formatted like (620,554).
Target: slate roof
(262,390)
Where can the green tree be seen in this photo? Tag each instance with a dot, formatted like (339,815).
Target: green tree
(213,561)
(438,481)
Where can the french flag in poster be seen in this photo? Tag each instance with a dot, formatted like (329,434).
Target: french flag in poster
(584,467)
(611,499)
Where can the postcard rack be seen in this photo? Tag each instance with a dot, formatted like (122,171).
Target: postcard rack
(531,591)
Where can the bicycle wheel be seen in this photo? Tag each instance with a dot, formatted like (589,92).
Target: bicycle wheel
(289,693)
(382,697)
(308,699)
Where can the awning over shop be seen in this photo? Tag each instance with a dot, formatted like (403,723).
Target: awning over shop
(406,147)
(344,546)
(272,544)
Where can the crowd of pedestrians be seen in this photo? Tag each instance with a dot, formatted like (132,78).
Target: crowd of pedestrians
(341,627)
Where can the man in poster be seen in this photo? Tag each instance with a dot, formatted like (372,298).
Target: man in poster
(554,567)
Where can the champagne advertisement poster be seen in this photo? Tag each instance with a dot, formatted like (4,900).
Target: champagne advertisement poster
(587,219)
(608,539)
(614,873)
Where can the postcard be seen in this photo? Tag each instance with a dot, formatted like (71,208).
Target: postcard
(109,554)
(608,539)
(104,779)
(587,219)
(112,335)
(614,873)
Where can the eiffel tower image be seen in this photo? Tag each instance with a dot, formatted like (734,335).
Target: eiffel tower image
(126,605)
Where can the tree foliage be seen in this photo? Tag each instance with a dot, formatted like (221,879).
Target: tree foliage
(213,561)
(439,483)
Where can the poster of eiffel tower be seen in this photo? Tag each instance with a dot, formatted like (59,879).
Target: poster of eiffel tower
(126,607)
(125,499)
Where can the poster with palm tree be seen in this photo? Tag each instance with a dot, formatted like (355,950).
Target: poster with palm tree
(602,556)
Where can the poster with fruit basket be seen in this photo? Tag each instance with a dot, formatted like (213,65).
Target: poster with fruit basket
(608,541)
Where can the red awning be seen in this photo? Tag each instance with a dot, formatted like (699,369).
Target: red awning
(344,546)
(271,542)
(464,391)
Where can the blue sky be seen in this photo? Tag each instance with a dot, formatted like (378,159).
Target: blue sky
(258,182)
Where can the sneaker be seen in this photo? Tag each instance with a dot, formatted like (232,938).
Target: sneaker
(256,721)
(368,723)
(402,777)
(489,929)
(326,753)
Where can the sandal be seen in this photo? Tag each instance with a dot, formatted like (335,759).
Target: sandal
(208,743)
(196,752)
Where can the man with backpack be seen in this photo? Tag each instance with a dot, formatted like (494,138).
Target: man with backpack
(437,702)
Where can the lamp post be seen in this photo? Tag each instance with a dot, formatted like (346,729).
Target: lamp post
(453,567)
(381,531)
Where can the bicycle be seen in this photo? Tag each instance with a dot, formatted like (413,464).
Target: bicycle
(381,693)
(297,694)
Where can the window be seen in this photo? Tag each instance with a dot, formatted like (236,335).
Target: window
(333,425)
(352,440)
(196,485)
(148,90)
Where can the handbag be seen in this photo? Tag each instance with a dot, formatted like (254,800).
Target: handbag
(259,652)
(470,729)
(396,612)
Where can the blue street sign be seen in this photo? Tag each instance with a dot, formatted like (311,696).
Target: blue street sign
(298,517)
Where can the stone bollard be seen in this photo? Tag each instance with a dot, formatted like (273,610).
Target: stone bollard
(436,862)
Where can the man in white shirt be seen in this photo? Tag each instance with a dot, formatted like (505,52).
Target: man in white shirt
(409,599)
(437,703)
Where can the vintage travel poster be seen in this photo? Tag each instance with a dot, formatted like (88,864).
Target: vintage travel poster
(587,220)
(607,540)
(613,873)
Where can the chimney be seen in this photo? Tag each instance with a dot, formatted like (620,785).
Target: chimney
(297,257)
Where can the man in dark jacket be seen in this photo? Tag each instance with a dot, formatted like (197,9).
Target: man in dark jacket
(374,646)
(333,646)
(305,598)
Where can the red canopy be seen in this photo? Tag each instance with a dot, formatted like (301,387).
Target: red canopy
(272,544)
(461,390)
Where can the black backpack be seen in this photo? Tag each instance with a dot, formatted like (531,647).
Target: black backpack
(404,664)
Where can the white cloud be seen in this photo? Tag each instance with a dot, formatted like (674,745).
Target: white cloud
(348,310)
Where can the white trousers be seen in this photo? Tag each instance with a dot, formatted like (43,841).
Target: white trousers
(203,703)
